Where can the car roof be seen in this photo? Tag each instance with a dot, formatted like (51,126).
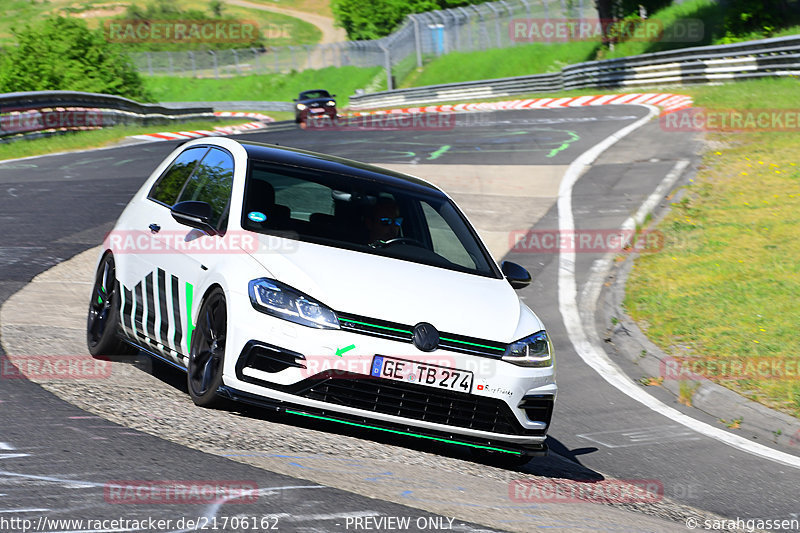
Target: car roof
(315,91)
(339,165)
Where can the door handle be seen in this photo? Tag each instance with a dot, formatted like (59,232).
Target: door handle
(154,228)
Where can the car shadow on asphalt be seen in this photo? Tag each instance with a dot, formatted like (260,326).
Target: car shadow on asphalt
(560,463)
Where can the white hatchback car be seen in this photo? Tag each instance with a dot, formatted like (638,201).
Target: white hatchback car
(325,288)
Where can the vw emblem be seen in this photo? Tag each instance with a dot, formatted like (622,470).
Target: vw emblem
(426,337)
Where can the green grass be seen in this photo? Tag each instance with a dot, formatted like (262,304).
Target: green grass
(277,29)
(538,58)
(670,19)
(97,138)
(727,283)
(273,87)
(500,63)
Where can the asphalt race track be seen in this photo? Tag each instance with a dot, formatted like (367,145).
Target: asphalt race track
(57,459)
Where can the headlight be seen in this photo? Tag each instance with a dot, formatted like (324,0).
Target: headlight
(534,350)
(330,103)
(300,107)
(276,299)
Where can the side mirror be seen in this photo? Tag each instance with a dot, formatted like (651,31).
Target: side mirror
(333,96)
(517,276)
(194,215)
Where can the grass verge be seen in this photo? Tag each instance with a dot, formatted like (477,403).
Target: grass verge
(341,81)
(500,63)
(726,285)
(277,29)
(97,138)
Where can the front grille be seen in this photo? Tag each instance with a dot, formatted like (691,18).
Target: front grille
(404,333)
(412,401)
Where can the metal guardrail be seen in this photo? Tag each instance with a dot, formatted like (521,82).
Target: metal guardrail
(244,105)
(32,113)
(776,57)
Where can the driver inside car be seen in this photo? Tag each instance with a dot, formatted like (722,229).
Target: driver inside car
(383,221)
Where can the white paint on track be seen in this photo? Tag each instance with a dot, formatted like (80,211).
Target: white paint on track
(585,341)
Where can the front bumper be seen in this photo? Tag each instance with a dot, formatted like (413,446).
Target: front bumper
(285,364)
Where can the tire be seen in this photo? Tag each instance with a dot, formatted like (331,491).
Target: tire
(102,338)
(207,352)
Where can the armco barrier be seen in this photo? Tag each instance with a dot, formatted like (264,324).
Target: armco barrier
(35,113)
(777,57)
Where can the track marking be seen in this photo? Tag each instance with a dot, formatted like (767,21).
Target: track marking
(588,346)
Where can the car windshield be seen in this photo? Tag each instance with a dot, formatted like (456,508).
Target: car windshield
(307,95)
(363,215)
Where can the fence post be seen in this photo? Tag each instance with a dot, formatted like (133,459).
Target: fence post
(236,62)
(387,66)
(468,18)
(496,23)
(483,26)
(528,8)
(417,40)
(456,29)
(194,64)
(214,59)
(149,63)
(171,68)
(255,60)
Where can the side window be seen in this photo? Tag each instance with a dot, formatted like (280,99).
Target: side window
(445,242)
(211,183)
(303,197)
(169,185)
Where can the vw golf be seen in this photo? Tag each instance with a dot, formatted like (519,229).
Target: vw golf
(325,288)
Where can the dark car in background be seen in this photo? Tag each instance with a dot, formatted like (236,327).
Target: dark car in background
(314,103)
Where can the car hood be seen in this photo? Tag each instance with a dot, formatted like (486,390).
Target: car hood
(398,291)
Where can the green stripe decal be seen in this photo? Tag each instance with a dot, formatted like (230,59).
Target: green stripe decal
(474,344)
(402,432)
(375,326)
(189,324)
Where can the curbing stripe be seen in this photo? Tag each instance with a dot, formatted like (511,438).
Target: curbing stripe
(668,102)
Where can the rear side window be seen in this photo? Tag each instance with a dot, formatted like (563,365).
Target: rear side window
(211,183)
(170,183)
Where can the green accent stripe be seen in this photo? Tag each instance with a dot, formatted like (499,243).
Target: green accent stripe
(402,432)
(189,325)
(375,326)
(474,344)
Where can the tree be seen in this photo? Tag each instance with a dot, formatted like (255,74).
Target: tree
(64,54)
(378,18)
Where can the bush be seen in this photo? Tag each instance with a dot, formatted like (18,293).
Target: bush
(64,54)
(759,16)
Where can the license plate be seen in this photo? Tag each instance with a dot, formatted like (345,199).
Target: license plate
(438,377)
(316,110)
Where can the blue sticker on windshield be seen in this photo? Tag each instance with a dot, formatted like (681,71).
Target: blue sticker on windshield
(257,216)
